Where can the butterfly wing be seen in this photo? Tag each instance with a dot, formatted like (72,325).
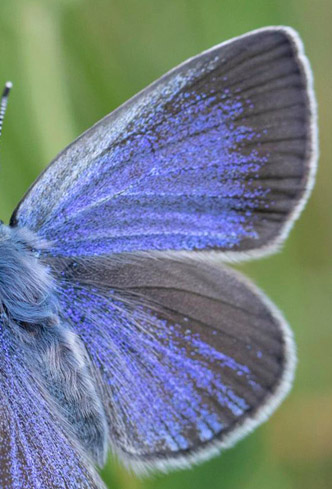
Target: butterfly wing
(192,357)
(218,154)
(37,450)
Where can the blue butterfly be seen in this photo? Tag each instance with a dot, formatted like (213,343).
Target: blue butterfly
(120,327)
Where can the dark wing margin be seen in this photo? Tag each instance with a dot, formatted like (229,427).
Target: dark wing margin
(192,356)
(217,156)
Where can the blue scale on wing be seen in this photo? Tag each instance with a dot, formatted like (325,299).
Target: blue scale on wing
(206,200)
(167,385)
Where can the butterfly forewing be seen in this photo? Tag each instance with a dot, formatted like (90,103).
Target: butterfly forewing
(216,155)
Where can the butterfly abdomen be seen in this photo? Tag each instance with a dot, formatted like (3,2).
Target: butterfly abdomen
(68,377)
(29,309)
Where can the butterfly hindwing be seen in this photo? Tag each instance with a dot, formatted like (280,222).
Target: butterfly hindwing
(218,154)
(191,356)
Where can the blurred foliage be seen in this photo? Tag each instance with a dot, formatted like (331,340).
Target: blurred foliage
(72,61)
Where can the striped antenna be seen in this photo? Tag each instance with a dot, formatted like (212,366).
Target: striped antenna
(4,102)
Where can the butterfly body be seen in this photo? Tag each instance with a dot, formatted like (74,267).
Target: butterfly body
(30,312)
(120,325)
(26,286)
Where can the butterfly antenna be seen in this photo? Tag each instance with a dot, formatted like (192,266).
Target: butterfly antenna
(4,102)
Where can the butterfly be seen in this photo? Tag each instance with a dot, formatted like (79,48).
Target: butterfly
(121,325)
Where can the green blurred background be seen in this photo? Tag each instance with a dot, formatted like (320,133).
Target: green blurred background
(72,61)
